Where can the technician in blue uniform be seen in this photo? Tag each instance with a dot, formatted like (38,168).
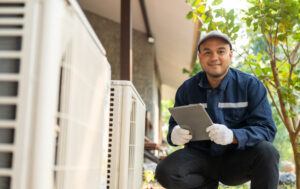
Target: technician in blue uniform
(240,148)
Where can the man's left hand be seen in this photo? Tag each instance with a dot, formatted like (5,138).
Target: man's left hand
(220,134)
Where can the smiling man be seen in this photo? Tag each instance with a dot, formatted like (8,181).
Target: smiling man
(240,148)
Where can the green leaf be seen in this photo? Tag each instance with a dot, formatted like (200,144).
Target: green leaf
(219,12)
(248,21)
(189,15)
(284,89)
(195,17)
(257,71)
(281,37)
(188,1)
(252,10)
(296,36)
(267,70)
(255,26)
(200,9)
(196,2)
(203,17)
(216,2)
(230,14)
(235,36)
(235,29)
(184,70)
(292,101)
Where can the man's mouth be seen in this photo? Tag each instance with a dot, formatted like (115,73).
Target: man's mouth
(214,64)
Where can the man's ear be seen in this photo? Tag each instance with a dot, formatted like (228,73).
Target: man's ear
(199,55)
(230,54)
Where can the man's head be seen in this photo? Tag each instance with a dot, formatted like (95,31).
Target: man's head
(215,54)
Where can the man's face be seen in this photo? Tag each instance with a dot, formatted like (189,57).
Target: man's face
(215,57)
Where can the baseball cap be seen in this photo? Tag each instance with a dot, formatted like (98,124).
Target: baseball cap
(214,34)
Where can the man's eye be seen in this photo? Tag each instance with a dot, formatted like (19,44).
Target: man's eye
(221,52)
(206,53)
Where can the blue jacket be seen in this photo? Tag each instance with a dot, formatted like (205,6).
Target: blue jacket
(239,102)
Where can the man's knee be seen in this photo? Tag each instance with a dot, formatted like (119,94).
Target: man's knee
(159,171)
(267,152)
(162,173)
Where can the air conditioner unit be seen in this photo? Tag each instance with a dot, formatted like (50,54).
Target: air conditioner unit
(126,137)
(53,74)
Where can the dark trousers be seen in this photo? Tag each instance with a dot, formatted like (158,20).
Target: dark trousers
(191,169)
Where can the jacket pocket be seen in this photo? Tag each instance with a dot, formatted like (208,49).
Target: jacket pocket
(234,117)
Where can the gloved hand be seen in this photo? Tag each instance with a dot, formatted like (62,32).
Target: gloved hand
(180,136)
(220,134)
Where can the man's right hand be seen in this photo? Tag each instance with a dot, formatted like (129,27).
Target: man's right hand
(180,136)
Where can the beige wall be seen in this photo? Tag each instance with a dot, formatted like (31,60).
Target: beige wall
(145,78)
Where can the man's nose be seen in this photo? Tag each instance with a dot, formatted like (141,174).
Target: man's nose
(214,56)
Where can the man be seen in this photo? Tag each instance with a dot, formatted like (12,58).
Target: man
(240,147)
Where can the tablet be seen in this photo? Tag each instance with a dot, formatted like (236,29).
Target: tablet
(193,118)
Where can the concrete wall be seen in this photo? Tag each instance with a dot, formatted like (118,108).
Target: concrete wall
(145,78)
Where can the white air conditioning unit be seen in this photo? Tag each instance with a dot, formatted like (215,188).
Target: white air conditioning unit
(53,74)
(126,137)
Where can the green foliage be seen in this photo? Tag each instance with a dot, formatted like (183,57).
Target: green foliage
(214,19)
(196,68)
(244,186)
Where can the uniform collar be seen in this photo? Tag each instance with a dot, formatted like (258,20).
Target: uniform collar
(203,82)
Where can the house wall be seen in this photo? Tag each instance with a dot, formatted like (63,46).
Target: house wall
(145,77)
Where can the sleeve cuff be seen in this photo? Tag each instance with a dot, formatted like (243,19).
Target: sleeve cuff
(169,138)
(241,138)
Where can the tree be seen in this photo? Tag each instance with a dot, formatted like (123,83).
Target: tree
(275,24)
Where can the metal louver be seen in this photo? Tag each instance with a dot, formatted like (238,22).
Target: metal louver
(11,37)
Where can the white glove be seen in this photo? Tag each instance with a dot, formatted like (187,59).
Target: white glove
(180,136)
(220,134)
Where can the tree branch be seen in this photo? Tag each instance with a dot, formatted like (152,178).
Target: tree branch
(277,59)
(298,129)
(294,53)
(290,75)
(271,83)
(294,119)
(286,53)
(287,121)
(252,70)
(275,41)
(297,61)
(271,44)
(274,102)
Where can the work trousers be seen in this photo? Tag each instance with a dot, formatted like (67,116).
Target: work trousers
(189,168)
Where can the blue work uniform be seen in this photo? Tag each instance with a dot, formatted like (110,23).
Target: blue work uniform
(239,102)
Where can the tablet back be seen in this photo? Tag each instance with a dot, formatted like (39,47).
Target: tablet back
(194,118)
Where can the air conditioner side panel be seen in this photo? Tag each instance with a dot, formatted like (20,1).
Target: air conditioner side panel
(85,112)
(140,132)
(125,135)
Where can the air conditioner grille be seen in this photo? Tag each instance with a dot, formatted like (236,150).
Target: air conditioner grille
(110,136)
(5,159)
(11,15)
(15,4)
(9,65)
(11,37)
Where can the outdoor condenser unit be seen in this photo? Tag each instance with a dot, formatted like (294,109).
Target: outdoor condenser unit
(126,137)
(54,97)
